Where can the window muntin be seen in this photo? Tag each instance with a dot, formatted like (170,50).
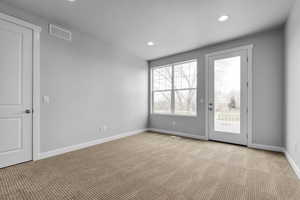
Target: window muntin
(174,89)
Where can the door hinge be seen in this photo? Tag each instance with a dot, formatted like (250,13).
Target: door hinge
(247,59)
(247,84)
(247,109)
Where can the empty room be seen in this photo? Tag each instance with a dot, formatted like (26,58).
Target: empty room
(149,100)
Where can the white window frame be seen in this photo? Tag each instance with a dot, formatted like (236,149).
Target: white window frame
(173,90)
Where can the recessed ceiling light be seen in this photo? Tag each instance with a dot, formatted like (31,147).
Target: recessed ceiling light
(71,0)
(223,18)
(150,43)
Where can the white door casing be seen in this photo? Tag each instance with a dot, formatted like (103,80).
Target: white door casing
(19,87)
(215,131)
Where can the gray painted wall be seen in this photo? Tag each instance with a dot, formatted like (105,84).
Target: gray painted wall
(292,139)
(268,88)
(91,84)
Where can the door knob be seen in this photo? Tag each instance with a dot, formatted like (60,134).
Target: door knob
(210,106)
(28,111)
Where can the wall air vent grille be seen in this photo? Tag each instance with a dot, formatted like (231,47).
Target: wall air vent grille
(60,33)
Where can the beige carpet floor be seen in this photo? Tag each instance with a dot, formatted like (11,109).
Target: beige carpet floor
(154,166)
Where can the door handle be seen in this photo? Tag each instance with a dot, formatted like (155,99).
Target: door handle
(28,111)
(210,106)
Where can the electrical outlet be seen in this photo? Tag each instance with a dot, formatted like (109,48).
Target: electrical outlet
(103,129)
(46,99)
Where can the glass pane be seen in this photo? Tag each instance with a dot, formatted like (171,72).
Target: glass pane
(162,102)
(185,75)
(162,78)
(227,73)
(185,102)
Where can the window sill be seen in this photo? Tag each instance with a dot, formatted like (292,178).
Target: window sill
(173,115)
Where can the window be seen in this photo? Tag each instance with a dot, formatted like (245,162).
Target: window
(162,89)
(174,89)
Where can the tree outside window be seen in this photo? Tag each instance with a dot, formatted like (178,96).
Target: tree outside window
(174,89)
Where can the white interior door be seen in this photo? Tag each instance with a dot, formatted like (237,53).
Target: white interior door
(227,98)
(15,94)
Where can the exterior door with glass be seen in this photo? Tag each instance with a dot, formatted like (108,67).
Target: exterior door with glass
(227,96)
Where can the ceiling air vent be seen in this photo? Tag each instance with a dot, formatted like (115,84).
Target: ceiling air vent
(60,32)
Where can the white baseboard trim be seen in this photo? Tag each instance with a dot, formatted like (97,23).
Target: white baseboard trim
(266,147)
(253,145)
(188,135)
(126,134)
(87,144)
(292,163)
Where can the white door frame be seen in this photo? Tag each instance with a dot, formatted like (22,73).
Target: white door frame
(36,80)
(249,49)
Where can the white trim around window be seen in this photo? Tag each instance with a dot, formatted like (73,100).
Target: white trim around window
(173,90)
